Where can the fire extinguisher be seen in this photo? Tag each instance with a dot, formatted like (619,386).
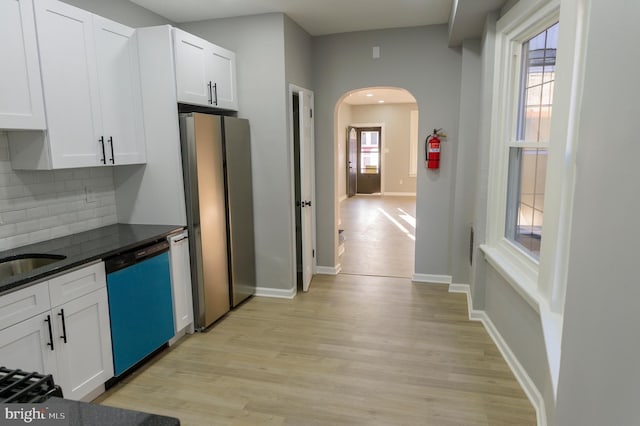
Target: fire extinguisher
(432,146)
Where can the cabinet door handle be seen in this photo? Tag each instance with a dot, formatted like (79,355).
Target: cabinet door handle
(215,91)
(64,326)
(210,93)
(48,321)
(113,161)
(104,156)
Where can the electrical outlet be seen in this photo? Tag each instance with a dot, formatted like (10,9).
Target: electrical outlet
(400,181)
(90,194)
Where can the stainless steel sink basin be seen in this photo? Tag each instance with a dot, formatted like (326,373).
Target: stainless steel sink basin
(22,263)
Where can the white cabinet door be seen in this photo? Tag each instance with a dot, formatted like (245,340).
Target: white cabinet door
(21,103)
(181,282)
(65,38)
(222,71)
(120,97)
(205,73)
(193,84)
(25,345)
(83,344)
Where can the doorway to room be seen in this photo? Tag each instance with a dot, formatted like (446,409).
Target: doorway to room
(376,137)
(364,157)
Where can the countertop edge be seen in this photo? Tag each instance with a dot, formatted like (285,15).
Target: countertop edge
(21,281)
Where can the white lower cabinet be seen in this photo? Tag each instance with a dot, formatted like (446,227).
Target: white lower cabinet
(181,283)
(70,341)
(24,346)
(83,344)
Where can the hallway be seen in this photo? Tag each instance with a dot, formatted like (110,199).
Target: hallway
(379,234)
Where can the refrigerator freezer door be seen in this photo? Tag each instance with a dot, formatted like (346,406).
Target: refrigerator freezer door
(201,137)
(240,207)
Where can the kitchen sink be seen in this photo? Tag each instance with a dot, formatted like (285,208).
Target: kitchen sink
(18,264)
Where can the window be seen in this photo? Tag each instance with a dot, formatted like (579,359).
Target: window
(527,164)
(369,152)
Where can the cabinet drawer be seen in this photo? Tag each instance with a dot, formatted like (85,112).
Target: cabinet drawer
(23,304)
(77,283)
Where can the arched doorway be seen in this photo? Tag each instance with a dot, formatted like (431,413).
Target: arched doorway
(376,138)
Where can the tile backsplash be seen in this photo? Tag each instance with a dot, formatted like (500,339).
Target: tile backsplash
(40,205)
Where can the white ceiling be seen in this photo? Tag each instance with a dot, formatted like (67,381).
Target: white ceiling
(376,95)
(317,17)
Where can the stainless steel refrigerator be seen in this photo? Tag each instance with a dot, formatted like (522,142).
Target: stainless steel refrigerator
(216,163)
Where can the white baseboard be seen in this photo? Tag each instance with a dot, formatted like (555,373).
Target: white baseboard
(329,270)
(399,194)
(276,292)
(432,279)
(518,370)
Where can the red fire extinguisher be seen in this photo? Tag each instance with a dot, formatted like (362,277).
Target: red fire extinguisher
(432,146)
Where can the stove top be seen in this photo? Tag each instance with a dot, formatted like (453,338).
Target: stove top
(17,386)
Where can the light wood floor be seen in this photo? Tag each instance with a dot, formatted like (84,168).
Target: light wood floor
(379,235)
(355,350)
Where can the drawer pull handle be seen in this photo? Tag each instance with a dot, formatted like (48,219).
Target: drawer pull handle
(48,321)
(64,326)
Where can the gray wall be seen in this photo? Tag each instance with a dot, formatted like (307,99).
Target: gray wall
(466,160)
(258,42)
(416,59)
(520,327)
(599,375)
(297,54)
(477,272)
(122,11)
(395,146)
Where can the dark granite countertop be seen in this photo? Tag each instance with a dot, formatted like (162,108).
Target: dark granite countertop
(83,248)
(85,414)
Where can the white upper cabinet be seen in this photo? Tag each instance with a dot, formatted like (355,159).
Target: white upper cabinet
(21,104)
(91,89)
(70,79)
(120,97)
(205,73)
(222,63)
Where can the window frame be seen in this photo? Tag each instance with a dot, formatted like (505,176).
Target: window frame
(516,264)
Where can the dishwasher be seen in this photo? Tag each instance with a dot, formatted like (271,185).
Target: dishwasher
(140,303)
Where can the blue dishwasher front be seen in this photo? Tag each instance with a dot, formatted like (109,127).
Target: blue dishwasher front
(140,304)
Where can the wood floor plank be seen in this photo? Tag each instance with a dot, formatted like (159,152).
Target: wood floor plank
(355,350)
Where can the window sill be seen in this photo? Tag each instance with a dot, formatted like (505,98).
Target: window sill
(522,277)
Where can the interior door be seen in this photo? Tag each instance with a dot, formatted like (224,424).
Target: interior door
(368,170)
(352,161)
(307,176)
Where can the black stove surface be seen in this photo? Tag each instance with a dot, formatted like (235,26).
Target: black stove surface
(17,386)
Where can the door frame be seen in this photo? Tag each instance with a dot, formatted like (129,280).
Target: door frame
(382,149)
(293,88)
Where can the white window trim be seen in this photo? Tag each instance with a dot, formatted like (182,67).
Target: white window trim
(542,284)
(522,22)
